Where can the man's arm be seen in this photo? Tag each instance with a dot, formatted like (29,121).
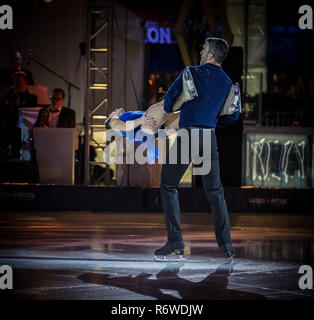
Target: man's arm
(172,93)
(40,118)
(227,120)
(71,121)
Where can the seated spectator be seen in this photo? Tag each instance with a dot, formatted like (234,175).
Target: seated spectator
(56,115)
(19,96)
(10,133)
(15,65)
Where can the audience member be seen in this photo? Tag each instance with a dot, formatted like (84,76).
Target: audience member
(19,96)
(10,133)
(15,64)
(56,115)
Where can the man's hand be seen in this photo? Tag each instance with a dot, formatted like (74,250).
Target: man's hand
(149,122)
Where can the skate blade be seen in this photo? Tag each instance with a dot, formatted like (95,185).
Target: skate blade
(230,261)
(192,89)
(169,259)
(190,84)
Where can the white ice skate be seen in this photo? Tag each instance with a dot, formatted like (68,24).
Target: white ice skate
(189,91)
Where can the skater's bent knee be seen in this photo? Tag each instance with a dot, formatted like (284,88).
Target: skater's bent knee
(213,191)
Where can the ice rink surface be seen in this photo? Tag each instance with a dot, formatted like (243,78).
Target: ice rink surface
(109,256)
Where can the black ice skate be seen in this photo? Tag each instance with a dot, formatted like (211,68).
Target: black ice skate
(169,248)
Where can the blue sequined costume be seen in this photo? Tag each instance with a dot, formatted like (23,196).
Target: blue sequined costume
(139,135)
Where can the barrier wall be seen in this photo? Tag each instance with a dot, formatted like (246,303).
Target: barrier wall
(134,199)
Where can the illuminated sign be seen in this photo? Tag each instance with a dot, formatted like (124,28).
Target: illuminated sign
(157,34)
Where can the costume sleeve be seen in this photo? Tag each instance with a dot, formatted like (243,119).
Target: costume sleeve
(226,120)
(172,93)
(130,115)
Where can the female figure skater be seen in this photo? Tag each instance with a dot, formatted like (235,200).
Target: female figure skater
(147,123)
(155,116)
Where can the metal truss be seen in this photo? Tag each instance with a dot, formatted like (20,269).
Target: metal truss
(99,93)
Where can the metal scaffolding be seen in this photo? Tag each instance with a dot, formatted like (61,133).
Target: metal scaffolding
(98,101)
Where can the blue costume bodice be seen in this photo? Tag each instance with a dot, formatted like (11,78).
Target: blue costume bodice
(139,135)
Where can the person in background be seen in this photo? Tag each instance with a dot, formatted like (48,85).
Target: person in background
(17,97)
(56,115)
(15,65)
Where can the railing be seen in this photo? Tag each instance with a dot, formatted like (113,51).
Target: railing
(278,119)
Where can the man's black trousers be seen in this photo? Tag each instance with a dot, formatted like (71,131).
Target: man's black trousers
(171,175)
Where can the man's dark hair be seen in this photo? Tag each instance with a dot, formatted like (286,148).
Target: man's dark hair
(219,48)
(57,90)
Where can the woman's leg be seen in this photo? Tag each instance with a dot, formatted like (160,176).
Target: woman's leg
(157,112)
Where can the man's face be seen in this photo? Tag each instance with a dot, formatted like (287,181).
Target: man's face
(57,100)
(15,62)
(204,53)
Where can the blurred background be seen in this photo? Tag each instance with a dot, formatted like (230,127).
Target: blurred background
(110,54)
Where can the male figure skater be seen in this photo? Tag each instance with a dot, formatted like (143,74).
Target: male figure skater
(202,112)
